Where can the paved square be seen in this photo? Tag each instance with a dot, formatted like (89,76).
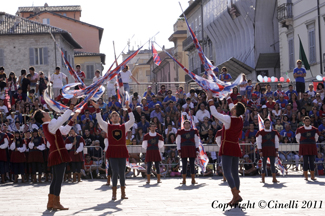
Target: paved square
(169,198)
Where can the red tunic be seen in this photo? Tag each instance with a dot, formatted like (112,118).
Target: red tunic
(116,142)
(153,153)
(3,152)
(17,156)
(36,155)
(75,157)
(188,147)
(229,139)
(307,144)
(268,142)
(58,152)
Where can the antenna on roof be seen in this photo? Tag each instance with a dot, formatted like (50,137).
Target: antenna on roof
(129,42)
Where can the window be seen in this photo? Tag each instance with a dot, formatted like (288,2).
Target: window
(147,72)
(46,21)
(291,53)
(90,72)
(38,56)
(311,43)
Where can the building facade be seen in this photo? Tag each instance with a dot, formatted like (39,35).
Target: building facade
(87,35)
(304,19)
(25,43)
(245,35)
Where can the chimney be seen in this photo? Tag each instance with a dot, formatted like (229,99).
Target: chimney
(190,2)
(46,5)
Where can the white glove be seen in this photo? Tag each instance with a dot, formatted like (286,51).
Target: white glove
(31,145)
(41,147)
(48,144)
(68,146)
(21,149)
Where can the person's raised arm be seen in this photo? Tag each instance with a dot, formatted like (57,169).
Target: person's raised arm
(55,124)
(223,118)
(102,124)
(131,121)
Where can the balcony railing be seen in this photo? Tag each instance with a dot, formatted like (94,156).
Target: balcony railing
(285,12)
(188,42)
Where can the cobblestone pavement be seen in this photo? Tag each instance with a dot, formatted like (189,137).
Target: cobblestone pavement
(92,197)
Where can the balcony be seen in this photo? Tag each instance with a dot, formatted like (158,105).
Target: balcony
(285,14)
(188,42)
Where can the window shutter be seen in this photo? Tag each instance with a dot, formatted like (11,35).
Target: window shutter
(46,55)
(31,56)
(2,62)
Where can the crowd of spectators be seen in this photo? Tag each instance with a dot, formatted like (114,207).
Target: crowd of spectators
(21,95)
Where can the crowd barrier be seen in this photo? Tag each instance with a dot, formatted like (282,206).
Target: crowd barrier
(288,153)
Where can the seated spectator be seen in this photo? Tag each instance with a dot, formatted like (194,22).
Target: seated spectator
(204,128)
(306,102)
(234,95)
(270,104)
(168,121)
(193,96)
(210,139)
(162,93)
(291,91)
(157,112)
(241,100)
(88,167)
(294,102)
(86,118)
(170,129)
(171,110)
(138,114)
(258,91)
(283,102)
(249,89)
(180,96)
(159,126)
(320,90)
(322,112)
(311,93)
(148,94)
(139,135)
(153,103)
(279,92)
(269,92)
(88,138)
(145,106)
(168,98)
(250,169)
(254,102)
(251,132)
(114,103)
(286,132)
(202,112)
(173,164)
(318,101)
(144,125)
(264,113)
(188,105)
(320,163)
(288,111)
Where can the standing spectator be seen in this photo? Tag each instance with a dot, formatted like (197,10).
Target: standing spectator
(42,84)
(80,74)
(33,79)
(192,94)
(225,76)
(268,92)
(12,85)
(258,91)
(299,74)
(126,75)
(97,76)
(162,93)
(180,95)
(26,86)
(279,92)
(249,89)
(3,76)
(320,90)
(143,124)
(56,80)
(88,138)
(22,76)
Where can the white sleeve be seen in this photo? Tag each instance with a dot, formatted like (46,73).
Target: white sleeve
(12,146)
(218,140)
(316,137)
(48,144)
(106,144)
(197,141)
(41,147)
(102,124)
(55,124)
(231,105)
(276,141)
(22,149)
(31,145)
(178,142)
(80,148)
(259,141)
(160,144)
(68,146)
(65,129)
(225,119)
(144,144)
(129,123)
(298,135)
(64,76)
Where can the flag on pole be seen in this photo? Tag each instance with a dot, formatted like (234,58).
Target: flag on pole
(155,55)
(133,165)
(260,122)
(302,55)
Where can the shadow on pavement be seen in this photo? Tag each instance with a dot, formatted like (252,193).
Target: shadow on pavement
(110,207)
(190,186)
(276,185)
